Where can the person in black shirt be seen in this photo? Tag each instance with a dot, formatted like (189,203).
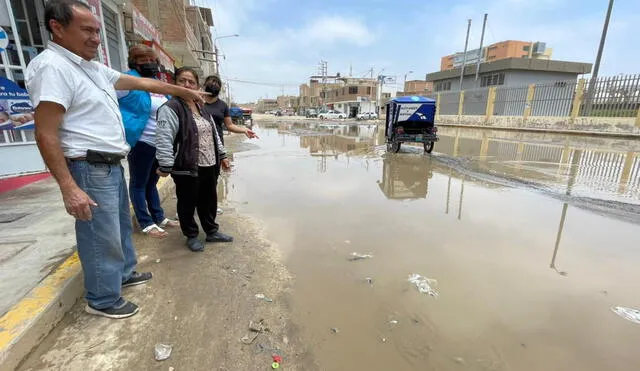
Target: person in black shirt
(219,109)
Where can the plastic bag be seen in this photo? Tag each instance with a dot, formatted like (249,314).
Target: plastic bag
(357,256)
(425,285)
(630,314)
(163,351)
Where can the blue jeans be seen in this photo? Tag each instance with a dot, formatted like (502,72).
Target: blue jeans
(104,243)
(143,181)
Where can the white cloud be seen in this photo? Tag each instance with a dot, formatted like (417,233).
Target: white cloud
(288,54)
(329,30)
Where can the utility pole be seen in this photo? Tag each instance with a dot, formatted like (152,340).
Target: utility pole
(323,73)
(596,68)
(484,25)
(464,56)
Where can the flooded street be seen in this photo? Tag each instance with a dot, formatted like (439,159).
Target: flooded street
(532,239)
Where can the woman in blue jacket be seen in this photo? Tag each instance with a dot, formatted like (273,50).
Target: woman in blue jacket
(139,110)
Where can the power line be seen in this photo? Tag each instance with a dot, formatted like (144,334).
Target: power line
(263,83)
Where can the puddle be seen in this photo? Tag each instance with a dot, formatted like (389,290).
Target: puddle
(520,273)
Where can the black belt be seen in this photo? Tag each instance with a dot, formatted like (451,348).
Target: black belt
(102,158)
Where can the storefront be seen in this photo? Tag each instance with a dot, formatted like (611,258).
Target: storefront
(22,36)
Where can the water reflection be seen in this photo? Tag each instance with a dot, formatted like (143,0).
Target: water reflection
(405,177)
(600,168)
(569,165)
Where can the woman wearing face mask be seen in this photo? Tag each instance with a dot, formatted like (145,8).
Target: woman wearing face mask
(138,110)
(219,110)
(189,148)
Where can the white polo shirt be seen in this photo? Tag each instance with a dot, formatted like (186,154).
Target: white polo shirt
(92,120)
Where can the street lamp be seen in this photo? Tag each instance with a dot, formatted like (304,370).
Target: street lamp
(404,86)
(215,49)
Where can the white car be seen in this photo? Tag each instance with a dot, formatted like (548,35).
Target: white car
(332,114)
(367,116)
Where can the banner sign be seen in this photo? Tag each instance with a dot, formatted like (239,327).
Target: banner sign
(16,111)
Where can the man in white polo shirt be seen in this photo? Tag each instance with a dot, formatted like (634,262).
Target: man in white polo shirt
(81,137)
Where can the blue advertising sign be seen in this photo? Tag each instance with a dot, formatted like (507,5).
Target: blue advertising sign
(16,110)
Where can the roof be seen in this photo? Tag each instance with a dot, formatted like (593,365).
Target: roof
(413,99)
(522,64)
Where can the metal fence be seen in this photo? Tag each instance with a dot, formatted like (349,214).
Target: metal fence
(475,102)
(617,96)
(510,101)
(449,103)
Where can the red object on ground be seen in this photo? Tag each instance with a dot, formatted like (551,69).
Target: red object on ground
(9,184)
(277,359)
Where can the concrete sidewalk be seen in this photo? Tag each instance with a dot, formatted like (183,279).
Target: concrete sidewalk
(40,273)
(199,303)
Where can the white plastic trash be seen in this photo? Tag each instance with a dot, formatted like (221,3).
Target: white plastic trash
(629,314)
(425,285)
(163,351)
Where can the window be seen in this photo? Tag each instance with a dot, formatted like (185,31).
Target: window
(526,48)
(353,90)
(492,80)
(368,90)
(443,86)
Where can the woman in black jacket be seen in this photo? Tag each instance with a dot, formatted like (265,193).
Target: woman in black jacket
(189,148)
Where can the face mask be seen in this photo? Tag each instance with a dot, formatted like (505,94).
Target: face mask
(213,89)
(147,69)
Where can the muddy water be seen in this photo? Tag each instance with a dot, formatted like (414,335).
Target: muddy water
(527,268)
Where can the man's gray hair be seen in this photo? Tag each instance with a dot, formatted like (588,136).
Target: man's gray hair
(61,11)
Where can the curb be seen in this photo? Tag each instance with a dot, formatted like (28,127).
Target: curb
(24,326)
(548,131)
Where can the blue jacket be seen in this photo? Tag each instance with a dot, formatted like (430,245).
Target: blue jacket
(136,109)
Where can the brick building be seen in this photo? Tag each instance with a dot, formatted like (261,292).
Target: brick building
(494,52)
(185,31)
(417,87)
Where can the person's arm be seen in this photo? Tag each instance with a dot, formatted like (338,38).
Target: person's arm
(237,129)
(128,82)
(222,152)
(48,118)
(166,131)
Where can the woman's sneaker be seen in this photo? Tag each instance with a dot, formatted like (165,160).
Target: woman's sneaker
(122,309)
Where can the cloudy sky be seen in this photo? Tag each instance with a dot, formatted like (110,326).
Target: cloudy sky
(281,42)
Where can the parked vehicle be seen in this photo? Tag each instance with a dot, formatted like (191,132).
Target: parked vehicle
(247,114)
(311,113)
(236,115)
(331,114)
(367,116)
(411,119)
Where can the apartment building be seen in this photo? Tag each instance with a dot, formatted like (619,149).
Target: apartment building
(417,87)
(494,52)
(352,95)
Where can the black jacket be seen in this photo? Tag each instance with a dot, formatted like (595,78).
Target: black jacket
(177,139)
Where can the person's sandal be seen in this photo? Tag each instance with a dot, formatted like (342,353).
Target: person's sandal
(169,223)
(155,231)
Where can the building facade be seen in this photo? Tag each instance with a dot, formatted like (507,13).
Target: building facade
(266,104)
(417,87)
(185,30)
(508,72)
(494,52)
(352,96)
(555,81)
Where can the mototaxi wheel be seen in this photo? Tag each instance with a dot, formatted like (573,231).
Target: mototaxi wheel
(428,146)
